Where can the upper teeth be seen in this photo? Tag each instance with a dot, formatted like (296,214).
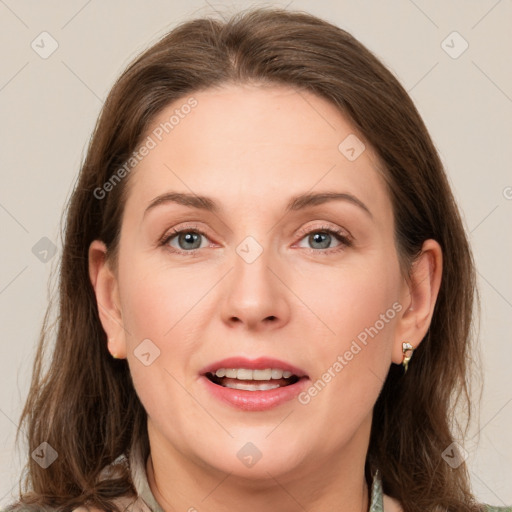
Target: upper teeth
(246,374)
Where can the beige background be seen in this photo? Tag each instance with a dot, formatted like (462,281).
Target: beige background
(49,107)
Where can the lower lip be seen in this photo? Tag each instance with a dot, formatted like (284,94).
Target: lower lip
(255,400)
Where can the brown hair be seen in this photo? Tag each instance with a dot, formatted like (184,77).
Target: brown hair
(85,405)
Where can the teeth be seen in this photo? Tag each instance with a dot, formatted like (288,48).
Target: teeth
(261,374)
(246,374)
(242,374)
(276,374)
(251,387)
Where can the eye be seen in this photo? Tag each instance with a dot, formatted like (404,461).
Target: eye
(188,240)
(185,240)
(321,239)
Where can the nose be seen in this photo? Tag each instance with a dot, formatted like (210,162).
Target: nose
(255,295)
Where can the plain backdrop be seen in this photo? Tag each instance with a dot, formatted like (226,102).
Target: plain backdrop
(461,83)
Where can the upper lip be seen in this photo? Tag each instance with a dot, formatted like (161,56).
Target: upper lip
(261,363)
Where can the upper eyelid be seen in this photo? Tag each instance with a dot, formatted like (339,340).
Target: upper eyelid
(331,228)
(174,232)
(195,227)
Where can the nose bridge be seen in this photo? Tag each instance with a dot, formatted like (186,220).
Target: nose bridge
(255,293)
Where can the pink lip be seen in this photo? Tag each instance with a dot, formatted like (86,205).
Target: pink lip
(254,400)
(253,364)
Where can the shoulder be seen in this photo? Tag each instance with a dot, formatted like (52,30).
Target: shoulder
(40,508)
(392,505)
(87,509)
(127,504)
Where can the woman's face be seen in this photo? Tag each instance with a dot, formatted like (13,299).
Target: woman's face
(314,288)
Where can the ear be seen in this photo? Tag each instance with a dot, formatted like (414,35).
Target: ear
(418,298)
(106,289)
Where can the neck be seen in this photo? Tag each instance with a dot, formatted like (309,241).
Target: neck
(178,484)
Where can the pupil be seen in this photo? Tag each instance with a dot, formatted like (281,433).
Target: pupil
(190,238)
(325,236)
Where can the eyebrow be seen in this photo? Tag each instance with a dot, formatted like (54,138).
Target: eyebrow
(298,202)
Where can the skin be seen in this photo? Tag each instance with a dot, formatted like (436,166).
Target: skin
(252,149)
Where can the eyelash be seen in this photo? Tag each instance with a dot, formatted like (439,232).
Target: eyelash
(339,234)
(174,232)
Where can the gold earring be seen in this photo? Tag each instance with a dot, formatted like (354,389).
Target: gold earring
(406,347)
(113,354)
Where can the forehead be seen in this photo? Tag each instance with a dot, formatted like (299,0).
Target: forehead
(244,143)
(240,117)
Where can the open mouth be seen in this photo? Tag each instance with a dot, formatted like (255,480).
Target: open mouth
(252,380)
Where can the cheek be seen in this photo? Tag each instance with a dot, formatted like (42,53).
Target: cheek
(357,309)
(158,305)
(147,310)
(348,299)
(359,304)
(157,300)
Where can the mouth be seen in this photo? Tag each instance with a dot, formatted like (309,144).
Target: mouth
(247,379)
(253,384)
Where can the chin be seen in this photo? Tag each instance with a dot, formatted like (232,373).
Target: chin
(254,460)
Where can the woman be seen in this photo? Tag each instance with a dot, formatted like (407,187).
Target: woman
(210,355)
